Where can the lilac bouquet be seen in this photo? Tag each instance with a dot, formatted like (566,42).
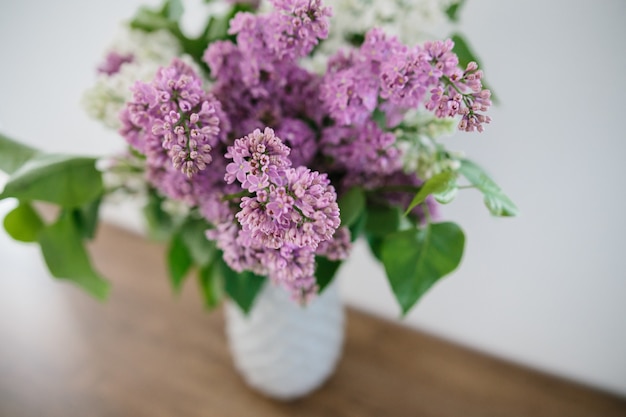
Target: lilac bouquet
(267,145)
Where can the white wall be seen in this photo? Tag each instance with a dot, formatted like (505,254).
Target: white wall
(546,289)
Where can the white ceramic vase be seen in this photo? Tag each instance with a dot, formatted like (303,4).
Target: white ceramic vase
(283,350)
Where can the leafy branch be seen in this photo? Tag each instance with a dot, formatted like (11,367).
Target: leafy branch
(72,183)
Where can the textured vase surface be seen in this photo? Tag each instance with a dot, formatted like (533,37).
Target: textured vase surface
(282,349)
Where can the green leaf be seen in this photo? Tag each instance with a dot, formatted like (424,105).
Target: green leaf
(217,29)
(167,18)
(325,271)
(382,220)
(380,118)
(211,284)
(67,258)
(447,195)
(86,218)
(179,262)
(174,10)
(149,20)
(193,235)
(463,51)
(14,154)
(416,259)
(193,47)
(64,180)
(453,10)
(242,287)
(376,245)
(23,223)
(437,184)
(351,205)
(467,55)
(355,39)
(495,200)
(160,224)
(358,226)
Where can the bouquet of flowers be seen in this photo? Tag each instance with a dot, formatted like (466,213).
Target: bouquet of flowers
(269,143)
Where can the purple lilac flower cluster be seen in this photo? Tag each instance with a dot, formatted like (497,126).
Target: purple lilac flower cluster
(289,212)
(174,117)
(434,68)
(298,26)
(383,69)
(258,79)
(267,120)
(290,32)
(385,78)
(175,124)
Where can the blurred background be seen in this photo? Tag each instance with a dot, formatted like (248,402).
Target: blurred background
(547,289)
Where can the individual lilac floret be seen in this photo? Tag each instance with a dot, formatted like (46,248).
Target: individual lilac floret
(113,62)
(174,113)
(297,26)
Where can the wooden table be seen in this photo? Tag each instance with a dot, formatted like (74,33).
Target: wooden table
(148,353)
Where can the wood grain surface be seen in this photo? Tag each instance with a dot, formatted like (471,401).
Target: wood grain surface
(148,353)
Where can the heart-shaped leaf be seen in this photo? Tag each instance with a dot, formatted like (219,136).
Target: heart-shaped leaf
(382,220)
(416,259)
